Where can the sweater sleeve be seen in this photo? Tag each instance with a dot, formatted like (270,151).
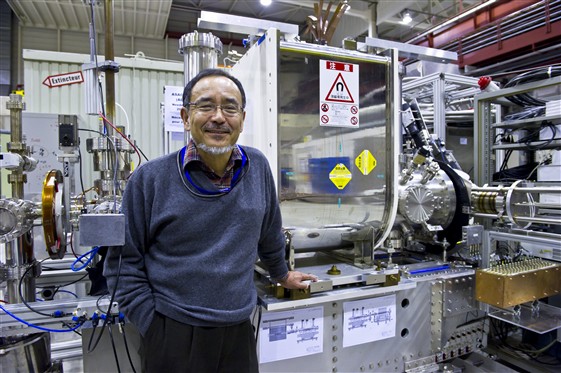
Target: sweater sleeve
(272,242)
(133,293)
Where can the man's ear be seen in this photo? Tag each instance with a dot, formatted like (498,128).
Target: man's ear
(185,117)
(242,121)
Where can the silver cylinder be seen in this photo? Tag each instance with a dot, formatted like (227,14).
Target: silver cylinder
(200,51)
(28,353)
(91,89)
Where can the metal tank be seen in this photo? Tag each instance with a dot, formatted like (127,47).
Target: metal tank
(200,51)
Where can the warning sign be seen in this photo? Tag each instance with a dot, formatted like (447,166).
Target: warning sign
(338,94)
(340,176)
(365,162)
(339,91)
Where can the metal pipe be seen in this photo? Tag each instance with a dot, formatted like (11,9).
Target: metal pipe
(482,215)
(543,235)
(109,74)
(530,236)
(519,189)
(537,204)
(537,189)
(19,253)
(393,134)
(17,177)
(522,219)
(538,220)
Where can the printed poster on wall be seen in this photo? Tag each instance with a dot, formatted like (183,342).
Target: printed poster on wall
(338,91)
(289,334)
(173,103)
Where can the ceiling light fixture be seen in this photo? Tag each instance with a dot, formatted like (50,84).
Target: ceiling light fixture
(406,18)
(266,2)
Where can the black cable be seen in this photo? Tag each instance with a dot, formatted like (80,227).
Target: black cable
(97,303)
(106,321)
(534,136)
(259,314)
(529,112)
(23,298)
(94,327)
(502,333)
(94,131)
(127,347)
(141,152)
(81,177)
(70,327)
(114,348)
(73,282)
(525,352)
(525,99)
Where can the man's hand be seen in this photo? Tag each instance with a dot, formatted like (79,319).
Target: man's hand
(295,280)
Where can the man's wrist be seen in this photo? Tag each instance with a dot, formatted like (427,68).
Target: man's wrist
(283,278)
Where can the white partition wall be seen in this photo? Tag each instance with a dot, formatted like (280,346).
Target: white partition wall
(258,72)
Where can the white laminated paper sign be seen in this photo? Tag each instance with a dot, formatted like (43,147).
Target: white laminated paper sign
(173,103)
(369,320)
(289,334)
(338,94)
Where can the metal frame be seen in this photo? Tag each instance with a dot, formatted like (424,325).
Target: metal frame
(485,160)
(439,81)
(413,51)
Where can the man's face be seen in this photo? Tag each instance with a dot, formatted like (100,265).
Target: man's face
(211,126)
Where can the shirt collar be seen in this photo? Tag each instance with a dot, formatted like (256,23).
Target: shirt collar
(192,155)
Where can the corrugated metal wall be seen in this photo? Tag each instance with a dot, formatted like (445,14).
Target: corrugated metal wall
(78,42)
(138,90)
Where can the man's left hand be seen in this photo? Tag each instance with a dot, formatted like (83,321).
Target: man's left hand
(296,280)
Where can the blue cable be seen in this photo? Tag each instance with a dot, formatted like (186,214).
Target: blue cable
(431,269)
(37,326)
(68,292)
(93,252)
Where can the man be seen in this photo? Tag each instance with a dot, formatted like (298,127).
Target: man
(196,221)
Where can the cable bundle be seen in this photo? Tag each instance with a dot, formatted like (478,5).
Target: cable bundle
(525,99)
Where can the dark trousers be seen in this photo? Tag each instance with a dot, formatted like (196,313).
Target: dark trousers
(170,346)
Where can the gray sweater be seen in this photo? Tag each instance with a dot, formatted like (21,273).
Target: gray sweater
(191,256)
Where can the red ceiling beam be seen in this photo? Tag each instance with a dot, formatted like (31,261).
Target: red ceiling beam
(493,13)
(525,41)
(491,16)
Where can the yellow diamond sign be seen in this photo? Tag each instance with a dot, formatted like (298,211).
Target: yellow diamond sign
(340,176)
(365,162)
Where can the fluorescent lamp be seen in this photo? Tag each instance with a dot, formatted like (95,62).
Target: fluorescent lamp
(406,18)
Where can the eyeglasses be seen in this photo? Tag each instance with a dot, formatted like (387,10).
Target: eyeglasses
(229,110)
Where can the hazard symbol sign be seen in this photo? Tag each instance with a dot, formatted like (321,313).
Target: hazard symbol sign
(340,176)
(339,94)
(339,91)
(365,162)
